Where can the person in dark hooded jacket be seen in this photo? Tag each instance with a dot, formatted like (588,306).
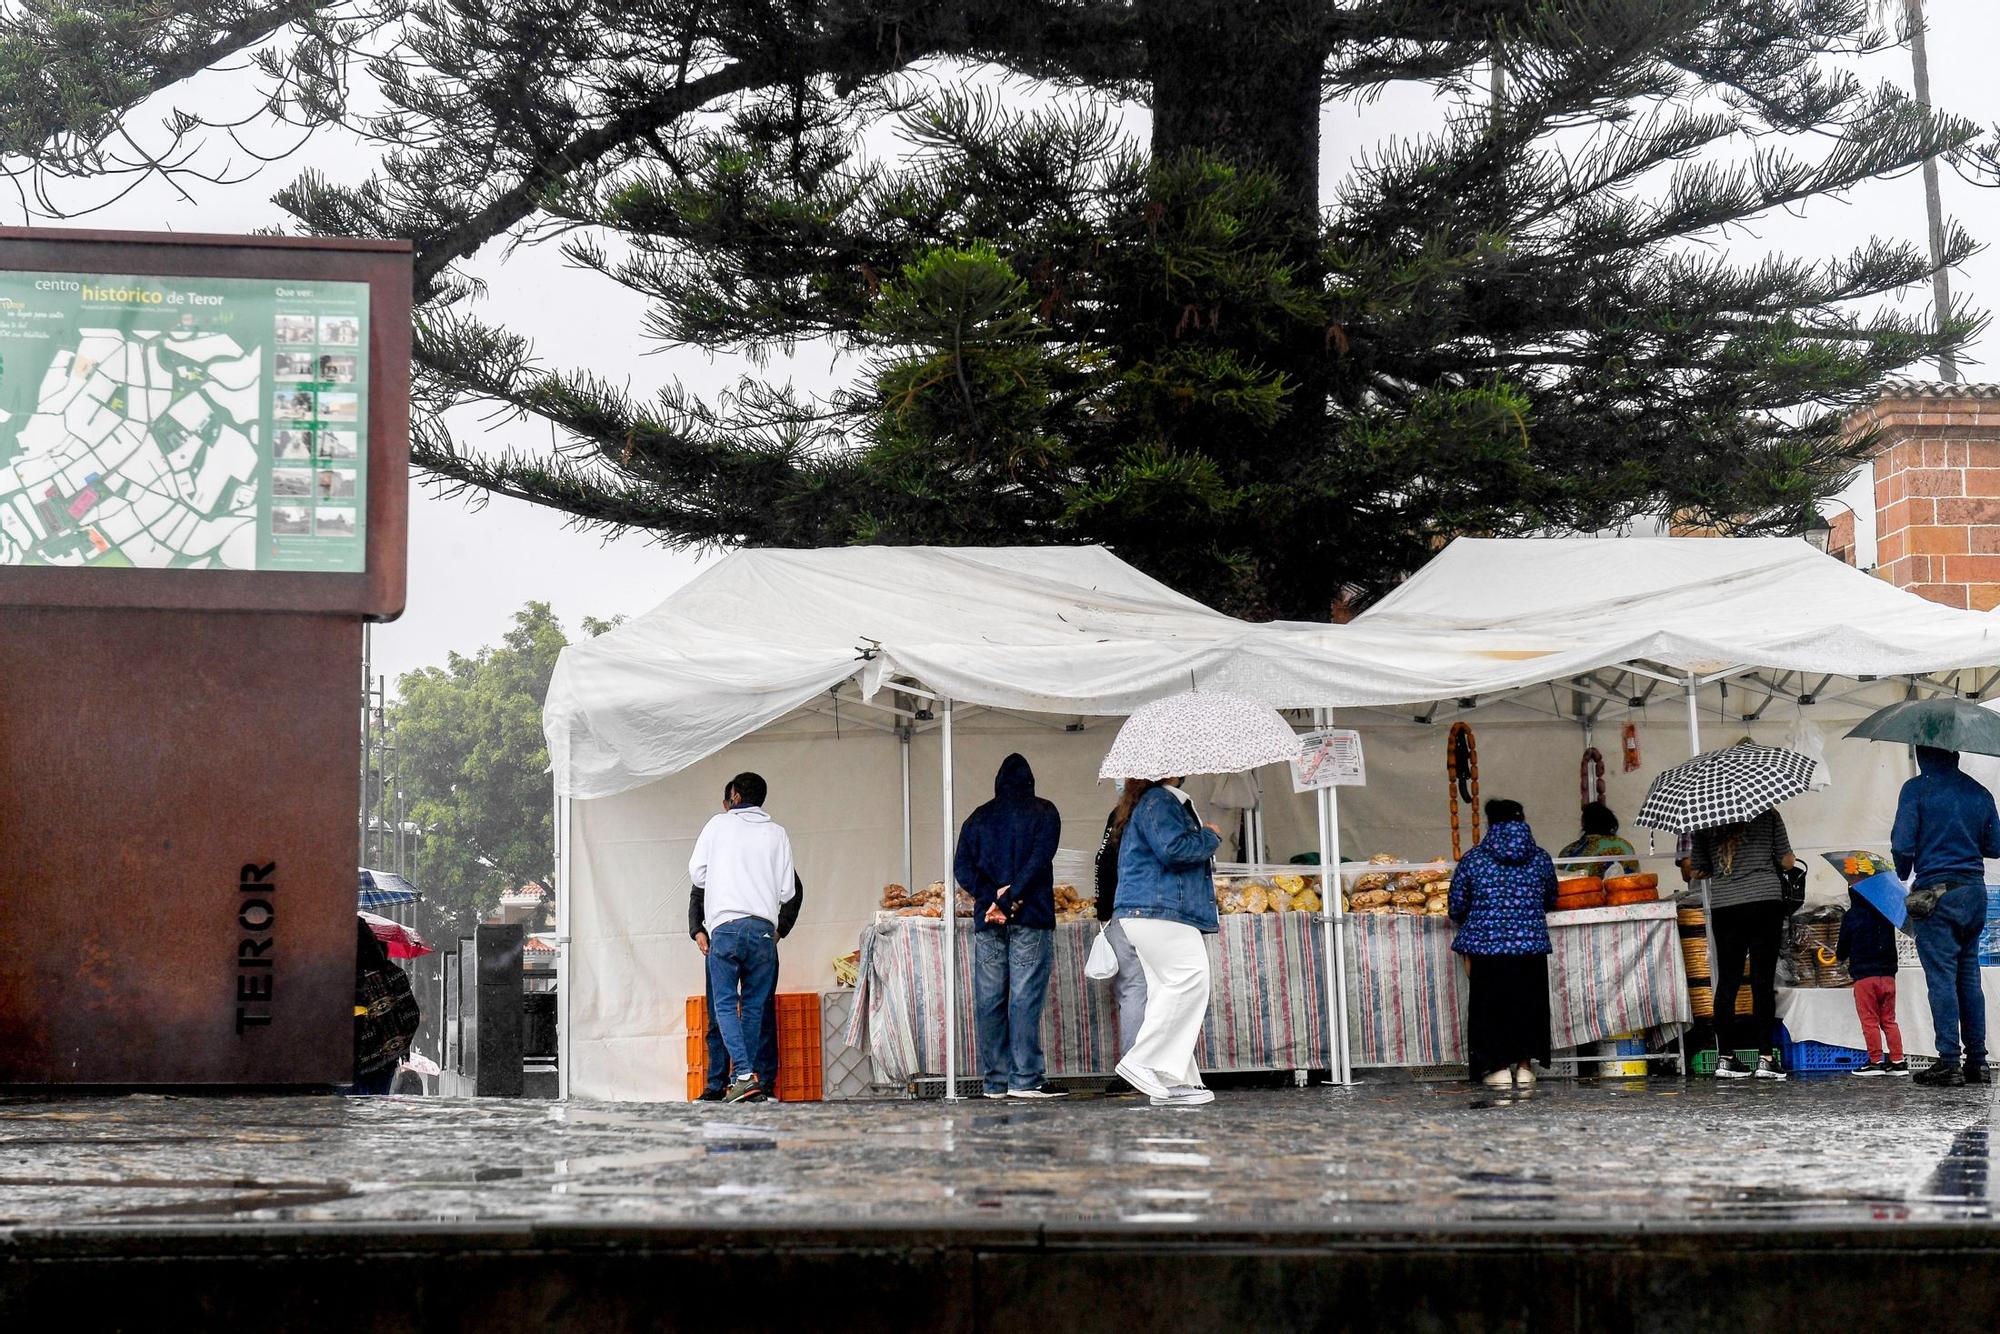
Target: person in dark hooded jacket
(1501,894)
(1005,860)
(1946,827)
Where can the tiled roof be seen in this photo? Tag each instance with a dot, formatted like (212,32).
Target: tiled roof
(1938,389)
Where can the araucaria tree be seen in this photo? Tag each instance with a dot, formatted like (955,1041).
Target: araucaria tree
(1172,342)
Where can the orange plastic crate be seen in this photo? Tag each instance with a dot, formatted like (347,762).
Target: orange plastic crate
(800,1072)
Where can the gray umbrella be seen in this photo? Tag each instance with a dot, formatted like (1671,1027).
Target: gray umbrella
(1948,724)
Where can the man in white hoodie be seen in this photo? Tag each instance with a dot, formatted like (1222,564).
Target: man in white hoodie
(743,861)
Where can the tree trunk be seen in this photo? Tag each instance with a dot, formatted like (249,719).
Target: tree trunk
(1240,79)
(1933,202)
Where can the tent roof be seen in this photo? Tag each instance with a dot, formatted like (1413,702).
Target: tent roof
(1076,631)
(1057,630)
(1690,604)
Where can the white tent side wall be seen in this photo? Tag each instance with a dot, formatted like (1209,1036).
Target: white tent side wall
(632,966)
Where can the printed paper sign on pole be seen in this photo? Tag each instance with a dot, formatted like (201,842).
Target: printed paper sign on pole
(1329,757)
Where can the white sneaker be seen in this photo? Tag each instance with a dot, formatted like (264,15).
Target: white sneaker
(989,1093)
(1040,1091)
(1185,1095)
(1147,1082)
(1524,1074)
(1499,1079)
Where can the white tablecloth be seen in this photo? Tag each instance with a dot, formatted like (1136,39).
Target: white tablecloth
(1826,1014)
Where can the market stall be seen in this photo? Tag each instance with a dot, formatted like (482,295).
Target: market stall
(1612,972)
(1826,1014)
(878,688)
(1267,1006)
(860,681)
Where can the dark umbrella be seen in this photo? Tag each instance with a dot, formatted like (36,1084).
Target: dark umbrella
(1947,724)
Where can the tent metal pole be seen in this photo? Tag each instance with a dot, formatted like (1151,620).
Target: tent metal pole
(1332,918)
(1694,719)
(909,855)
(565,972)
(950,919)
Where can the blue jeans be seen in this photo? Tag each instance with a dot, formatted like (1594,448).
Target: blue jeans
(742,964)
(1948,943)
(718,1055)
(1010,979)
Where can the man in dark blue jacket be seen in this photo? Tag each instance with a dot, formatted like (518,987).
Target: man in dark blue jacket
(1006,855)
(1946,827)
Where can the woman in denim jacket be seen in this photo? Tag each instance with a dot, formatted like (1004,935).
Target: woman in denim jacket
(1166,903)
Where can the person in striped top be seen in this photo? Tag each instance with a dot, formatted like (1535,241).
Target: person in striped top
(1742,864)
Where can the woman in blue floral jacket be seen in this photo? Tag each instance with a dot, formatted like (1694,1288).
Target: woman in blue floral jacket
(1501,894)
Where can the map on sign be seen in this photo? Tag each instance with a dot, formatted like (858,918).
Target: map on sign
(182,423)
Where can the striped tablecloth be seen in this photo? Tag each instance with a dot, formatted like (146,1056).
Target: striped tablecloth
(1267,1005)
(1611,971)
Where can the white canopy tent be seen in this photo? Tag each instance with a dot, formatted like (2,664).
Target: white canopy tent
(903,641)
(792,649)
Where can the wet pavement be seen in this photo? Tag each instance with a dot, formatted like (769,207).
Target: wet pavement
(1385,1154)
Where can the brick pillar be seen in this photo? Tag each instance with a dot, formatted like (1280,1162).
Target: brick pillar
(1937,490)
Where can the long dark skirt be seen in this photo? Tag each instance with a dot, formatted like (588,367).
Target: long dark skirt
(1506,1011)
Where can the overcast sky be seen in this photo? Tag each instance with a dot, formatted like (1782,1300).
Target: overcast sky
(470,568)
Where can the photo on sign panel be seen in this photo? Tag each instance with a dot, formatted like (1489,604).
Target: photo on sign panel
(337,368)
(288,444)
(339,407)
(335,485)
(295,329)
(291,520)
(335,444)
(292,405)
(339,330)
(291,482)
(335,521)
(295,366)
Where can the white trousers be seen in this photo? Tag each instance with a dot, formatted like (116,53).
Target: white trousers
(1175,960)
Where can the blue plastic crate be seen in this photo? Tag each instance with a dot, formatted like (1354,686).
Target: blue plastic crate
(1989,939)
(1805,1058)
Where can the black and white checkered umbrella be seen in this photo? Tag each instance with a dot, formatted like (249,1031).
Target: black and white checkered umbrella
(1720,787)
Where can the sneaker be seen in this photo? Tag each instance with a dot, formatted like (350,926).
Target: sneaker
(1896,1068)
(993,1093)
(1872,1070)
(1731,1068)
(1979,1074)
(742,1090)
(1943,1075)
(1040,1091)
(1146,1081)
(1767,1068)
(1185,1095)
(710,1095)
(1499,1079)
(1118,1088)
(1524,1075)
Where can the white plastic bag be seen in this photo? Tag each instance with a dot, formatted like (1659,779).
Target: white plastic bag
(1102,964)
(1805,738)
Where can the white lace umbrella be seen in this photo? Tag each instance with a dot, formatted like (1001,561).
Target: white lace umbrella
(1199,733)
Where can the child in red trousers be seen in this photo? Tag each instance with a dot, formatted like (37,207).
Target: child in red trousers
(1868,944)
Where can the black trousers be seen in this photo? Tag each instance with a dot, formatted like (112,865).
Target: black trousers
(1756,930)
(1506,1012)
